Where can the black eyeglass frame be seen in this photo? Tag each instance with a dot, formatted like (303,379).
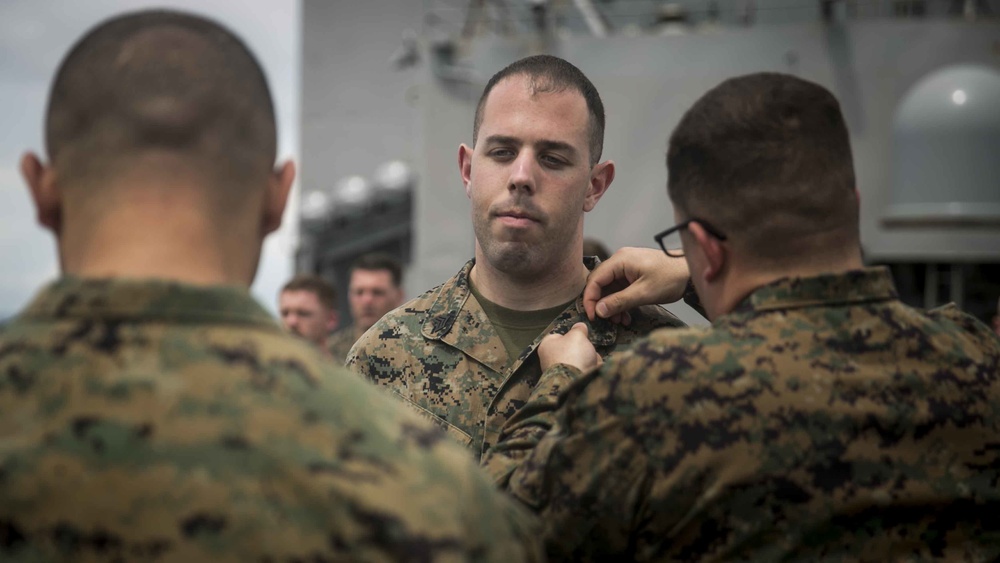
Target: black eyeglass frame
(679,253)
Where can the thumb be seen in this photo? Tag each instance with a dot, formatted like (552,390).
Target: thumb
(616,303)
(581,328)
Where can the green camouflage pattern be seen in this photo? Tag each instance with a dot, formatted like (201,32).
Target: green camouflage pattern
(156,421)
(441,355)
(822,420)
(339,344)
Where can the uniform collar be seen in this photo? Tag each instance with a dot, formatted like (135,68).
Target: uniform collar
(453,302)
(441,315)
(450,299)
(855,286)
(71,297)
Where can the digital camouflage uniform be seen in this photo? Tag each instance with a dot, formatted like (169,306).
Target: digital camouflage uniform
(822,419)
(441,354)
(159,421)
(339,344)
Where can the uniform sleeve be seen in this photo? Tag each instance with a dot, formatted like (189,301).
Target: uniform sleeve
(529,424)
(569,458)
(507,530)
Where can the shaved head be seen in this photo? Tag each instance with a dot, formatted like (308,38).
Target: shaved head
(165,83)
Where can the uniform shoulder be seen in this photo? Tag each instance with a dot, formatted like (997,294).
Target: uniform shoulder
(405,319)
(396,329)
(413,311)
(423,301)
(447,296)
(652,317)
(645,320)
(950,319)
(663,343)
(662,338)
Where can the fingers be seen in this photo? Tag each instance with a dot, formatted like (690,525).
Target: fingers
(591,295)
(605,275)
(609,276)
(618,304)
(580,330)
(630,278)
(573,348)
(579,336)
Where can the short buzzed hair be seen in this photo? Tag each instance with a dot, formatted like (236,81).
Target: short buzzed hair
(549,74)
(766,158)
(325,291)
(161,80)
(377,261)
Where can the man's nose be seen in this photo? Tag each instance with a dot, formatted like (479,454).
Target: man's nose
(522,172)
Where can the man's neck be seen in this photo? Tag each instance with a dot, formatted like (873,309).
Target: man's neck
(557,285)
(181,248)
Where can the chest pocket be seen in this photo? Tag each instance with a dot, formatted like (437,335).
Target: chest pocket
(456,433)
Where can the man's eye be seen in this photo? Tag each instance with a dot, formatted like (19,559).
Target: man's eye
(552,161)
(501,153)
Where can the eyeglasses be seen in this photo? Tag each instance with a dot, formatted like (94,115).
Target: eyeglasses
(670,239)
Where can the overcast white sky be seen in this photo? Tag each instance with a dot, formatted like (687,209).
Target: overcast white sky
(35,34)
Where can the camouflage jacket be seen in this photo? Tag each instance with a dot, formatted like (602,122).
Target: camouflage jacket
(339,344)
(159,421)
(441,354)
(822,420)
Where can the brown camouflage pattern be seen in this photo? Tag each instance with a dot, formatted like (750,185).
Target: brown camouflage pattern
(822,420)
(154,421)
(339,344)
(441,354)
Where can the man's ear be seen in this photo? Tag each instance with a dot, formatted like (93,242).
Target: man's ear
(332,321)
(41,180)
(712,249)
(276,198)
(465,166)
(600,180)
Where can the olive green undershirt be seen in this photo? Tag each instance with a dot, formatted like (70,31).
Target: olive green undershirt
(517,329)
